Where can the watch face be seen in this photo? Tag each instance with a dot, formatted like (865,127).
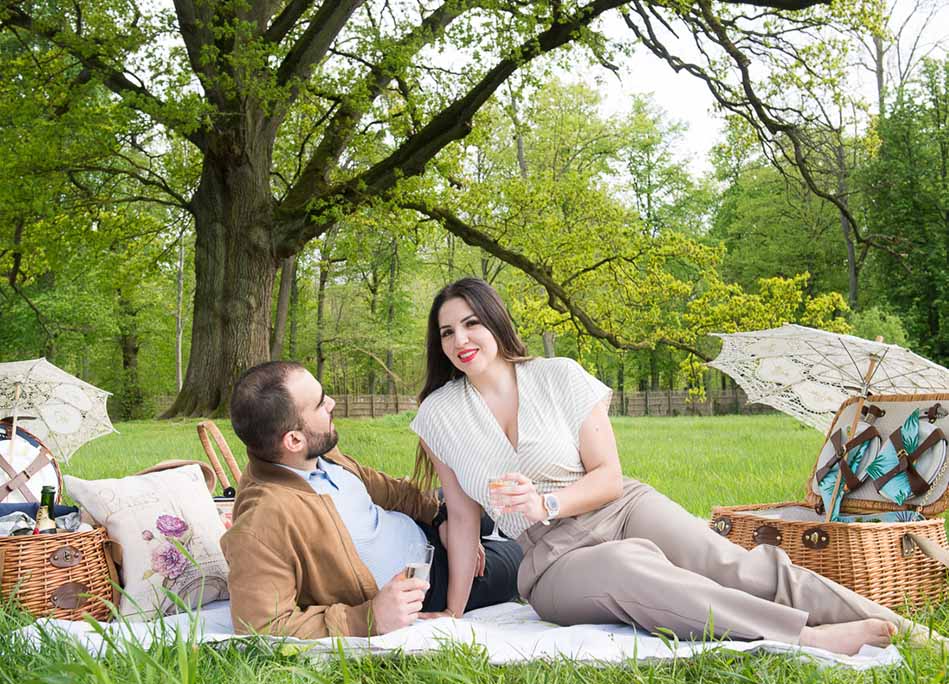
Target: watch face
(551,504)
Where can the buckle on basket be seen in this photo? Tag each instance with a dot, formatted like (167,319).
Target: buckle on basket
(722,525)
(935,412)
(907,546)
(904,460)
(816,538)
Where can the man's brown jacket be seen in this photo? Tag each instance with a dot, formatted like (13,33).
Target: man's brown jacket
(294,570)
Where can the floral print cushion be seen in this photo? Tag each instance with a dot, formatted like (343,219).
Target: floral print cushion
(170,532)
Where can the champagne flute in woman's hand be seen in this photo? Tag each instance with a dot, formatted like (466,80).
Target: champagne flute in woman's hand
(495,487)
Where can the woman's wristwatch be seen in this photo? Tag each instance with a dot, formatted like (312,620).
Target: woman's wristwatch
(551,507)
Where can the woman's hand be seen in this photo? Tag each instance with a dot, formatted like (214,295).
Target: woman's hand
(522,498)
(435,616)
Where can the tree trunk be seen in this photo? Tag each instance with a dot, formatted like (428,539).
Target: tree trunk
(235,269)
(451,257)
(847,229)
(879,64)
(548,337)
(132,399)
(621,385)
(653,370)
(390,317)
(287,275)
(179,314)
(325,265)
(294,303)
(373,305)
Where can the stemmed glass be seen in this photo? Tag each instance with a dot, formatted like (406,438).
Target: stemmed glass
(496,485)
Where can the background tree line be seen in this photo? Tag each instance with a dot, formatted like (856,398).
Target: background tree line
(608,246)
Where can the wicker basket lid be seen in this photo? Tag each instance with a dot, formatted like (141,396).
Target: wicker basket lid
(892,412)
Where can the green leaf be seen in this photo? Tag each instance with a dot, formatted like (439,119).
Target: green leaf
(910,432)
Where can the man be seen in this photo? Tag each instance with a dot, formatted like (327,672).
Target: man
(319,541)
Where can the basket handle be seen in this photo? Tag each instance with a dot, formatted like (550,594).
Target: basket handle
(927,546)
(111,549)
(206,426)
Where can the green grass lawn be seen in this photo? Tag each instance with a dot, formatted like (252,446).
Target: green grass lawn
(699,462)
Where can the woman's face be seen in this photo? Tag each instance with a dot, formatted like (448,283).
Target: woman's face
(469,345)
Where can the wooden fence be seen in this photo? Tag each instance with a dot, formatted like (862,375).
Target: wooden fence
(372,405)
(679,403)
(652,403)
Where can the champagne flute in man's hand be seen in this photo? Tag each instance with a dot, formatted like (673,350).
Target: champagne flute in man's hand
(420,561)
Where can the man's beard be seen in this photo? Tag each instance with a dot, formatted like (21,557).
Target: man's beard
(318,443)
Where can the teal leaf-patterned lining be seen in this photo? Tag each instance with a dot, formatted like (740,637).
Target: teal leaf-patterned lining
(898,489)
(827,484)
(884,517)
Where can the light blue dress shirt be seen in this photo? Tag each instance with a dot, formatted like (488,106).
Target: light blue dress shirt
(383,539)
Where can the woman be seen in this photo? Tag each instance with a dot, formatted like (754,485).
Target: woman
(598,547)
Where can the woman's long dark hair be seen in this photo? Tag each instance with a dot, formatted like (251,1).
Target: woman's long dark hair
(439,370)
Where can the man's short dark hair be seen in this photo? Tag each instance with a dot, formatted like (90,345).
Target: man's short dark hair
(262,410)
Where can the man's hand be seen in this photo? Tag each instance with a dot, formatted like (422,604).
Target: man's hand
(398,603)
(479,560)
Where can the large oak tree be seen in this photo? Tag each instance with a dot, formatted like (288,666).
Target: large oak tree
(300,112)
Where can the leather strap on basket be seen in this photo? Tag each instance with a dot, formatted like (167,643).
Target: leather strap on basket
(19,480)
(930,548)
(110,547)
(14,481)
(851,481)
(917,484)
(871,410)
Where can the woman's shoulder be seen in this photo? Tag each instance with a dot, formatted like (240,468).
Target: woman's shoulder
(556,367)
(444,395)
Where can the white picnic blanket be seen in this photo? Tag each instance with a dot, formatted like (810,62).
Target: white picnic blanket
(510,633)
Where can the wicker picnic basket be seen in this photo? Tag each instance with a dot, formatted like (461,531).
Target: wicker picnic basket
(892,563)
(65,575)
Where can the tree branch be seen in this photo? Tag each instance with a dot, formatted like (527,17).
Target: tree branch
(558,297)
(788,5)
(197,35)
(452,123)
(87,53)
(745,103)
(285,21)
(312,46)
(392,374)
(14,274)
(315,176)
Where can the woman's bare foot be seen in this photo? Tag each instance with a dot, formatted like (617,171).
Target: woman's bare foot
(849,637)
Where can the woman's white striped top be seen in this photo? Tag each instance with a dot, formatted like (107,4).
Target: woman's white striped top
(555,396)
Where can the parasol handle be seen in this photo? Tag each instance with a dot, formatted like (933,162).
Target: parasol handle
(853,426)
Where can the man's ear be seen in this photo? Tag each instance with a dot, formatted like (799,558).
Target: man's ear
(293,441)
